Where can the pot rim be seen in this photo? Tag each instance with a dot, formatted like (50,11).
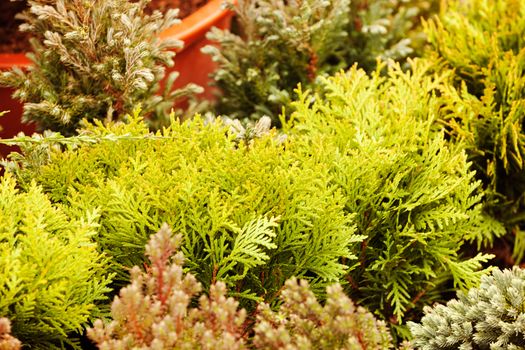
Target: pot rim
(188,30)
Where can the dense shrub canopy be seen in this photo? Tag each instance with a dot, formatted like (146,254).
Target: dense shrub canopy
(251,214)
(254,213)
(414,197)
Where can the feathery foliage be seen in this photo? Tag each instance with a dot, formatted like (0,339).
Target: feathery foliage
(489,317)
(415,197)
(282,43)
(303,323)
(94,60)
(51,275)
(251,214)
(482,40)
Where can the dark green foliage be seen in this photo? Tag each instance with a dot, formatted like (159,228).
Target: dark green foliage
(154,311)
(483,41)
(251,214)
(415,197)
(93,60)
(283,43)
(385,29)
(489,317)
(303,323)
(51,275)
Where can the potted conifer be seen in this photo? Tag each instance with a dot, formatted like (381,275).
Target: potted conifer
(193,66)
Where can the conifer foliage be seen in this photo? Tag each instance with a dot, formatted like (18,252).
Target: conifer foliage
(93,60)
(251,215)
(303,323)
(415,199)
(51,275)
(283,43)
(482,40)
(489,317)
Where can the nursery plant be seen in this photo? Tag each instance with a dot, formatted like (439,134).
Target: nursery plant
(483,42)
(414,196)
(94,60)
(52,279)
(282,43)
(155,312)
(489,317)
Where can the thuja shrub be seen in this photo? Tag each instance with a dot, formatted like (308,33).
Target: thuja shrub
(303,323)
(283,43)
(156,312)
(483,42)
(94,60)
(415,198)
(7,341)
(251,214)
(489,317)
(52,279)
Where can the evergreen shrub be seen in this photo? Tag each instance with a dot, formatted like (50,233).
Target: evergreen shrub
(94,60)
(363,150)
(252,215)
(52,279)
(489,317)
(156,312)
(283,43)
(482,40)
(414,196)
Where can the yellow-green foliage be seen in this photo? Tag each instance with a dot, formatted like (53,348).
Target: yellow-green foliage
(251,215)
(51,275)
(363,150)
(414,197)
(483,40)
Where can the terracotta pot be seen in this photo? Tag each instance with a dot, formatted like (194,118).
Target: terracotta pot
(193,66)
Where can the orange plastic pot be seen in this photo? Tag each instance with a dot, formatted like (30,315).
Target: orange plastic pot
(193,66)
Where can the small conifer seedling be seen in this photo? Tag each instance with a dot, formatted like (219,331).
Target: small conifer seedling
(303,323)
(154,311)
(284,43)
(94,60)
